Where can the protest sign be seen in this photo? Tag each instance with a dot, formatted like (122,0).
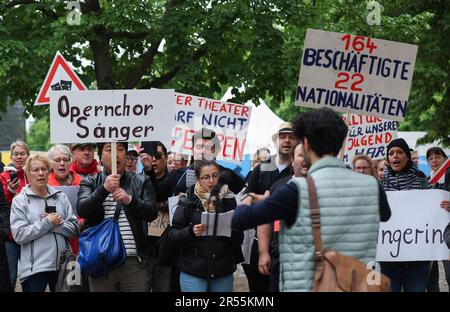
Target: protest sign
(59,77)
(157,226)
(439,175)
(111,115)
(415,231)
(356,74)
(72,195)
(369,136)
(228,120)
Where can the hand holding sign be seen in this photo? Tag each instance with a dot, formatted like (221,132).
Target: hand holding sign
(112,182)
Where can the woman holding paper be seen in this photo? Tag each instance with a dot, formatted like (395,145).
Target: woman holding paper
(436,158)
(402,175)
(206,261)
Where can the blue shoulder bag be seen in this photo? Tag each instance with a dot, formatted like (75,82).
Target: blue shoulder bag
(101,248)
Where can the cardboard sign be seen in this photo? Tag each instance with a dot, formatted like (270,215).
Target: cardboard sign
(228,120)
(368,136)
(111,115)
(415,231)
(356,74)
(158,226)
(59,77)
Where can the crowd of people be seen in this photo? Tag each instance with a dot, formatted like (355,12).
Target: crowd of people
(271,234)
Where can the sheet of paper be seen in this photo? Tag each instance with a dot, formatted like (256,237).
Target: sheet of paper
(223,223)
(190,177)
(173,204)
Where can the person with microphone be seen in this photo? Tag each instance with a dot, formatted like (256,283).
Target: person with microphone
(205,262)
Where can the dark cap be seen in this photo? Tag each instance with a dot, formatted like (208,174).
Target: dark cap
(77,145)
(401,143)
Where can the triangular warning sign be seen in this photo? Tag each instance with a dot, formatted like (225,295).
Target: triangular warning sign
(59,77)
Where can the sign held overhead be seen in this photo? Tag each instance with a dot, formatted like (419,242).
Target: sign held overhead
(356,74)
(111,115)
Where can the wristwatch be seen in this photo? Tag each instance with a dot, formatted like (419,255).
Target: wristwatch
(248,195)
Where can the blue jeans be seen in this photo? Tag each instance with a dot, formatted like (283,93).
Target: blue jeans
(13,255)
(38,282)
(191,283)
(412,276)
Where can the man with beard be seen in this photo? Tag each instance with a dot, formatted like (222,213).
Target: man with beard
(351,204)
(262,178)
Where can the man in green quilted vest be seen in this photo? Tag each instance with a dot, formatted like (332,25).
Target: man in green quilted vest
(351,204)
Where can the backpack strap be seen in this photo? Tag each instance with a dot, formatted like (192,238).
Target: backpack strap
(315,219)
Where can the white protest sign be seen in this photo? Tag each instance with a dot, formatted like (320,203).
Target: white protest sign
(228,120)
(357,74)
(172,202)
(111,115)
(415,231)
(369,136)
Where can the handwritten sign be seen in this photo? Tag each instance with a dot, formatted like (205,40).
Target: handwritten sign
(157,226)
(415,231)
(357,74)
(369,136)
(111,115)
(228,120)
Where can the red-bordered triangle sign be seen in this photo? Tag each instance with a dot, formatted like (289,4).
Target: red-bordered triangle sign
(440,173)
(60,77)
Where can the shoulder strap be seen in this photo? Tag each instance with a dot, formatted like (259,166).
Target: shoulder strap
(117,212)
(315,219)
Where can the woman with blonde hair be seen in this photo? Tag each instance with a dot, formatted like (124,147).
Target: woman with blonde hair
(41,221)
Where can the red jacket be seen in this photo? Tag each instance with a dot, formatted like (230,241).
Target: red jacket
(4,177)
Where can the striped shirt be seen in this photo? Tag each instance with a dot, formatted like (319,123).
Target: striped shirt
(109,205)
(405,180)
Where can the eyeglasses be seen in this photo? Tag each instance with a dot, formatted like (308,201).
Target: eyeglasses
(23,154)
(133,159)
(63,160)
(36,170)
(207,177)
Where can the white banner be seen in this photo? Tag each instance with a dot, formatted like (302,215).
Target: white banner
(228,120)
(356,74)
(369,136)
(111,115)
(415,231)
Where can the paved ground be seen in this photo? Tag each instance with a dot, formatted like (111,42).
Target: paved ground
(241,285)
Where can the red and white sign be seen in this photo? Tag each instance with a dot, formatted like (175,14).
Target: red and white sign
(60,77)
(229,121)
(439,176)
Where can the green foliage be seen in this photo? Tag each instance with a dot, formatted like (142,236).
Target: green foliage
(38,136)
(212,44)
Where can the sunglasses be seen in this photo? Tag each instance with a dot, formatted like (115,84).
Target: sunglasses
(157,155)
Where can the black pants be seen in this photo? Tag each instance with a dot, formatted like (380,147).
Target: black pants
(257,282)
(38,282)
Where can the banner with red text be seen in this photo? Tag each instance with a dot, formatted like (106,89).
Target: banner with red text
(230,122)
(356,74)
(368,136)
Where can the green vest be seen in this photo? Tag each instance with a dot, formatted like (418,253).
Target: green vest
(349,215)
